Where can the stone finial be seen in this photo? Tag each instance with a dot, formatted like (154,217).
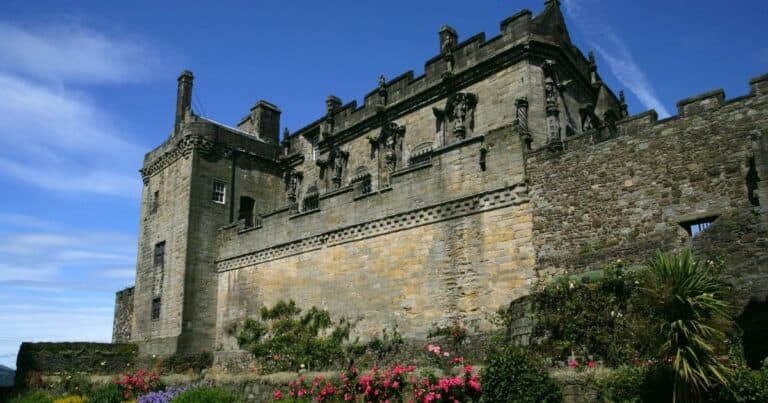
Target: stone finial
(555,3)
(623,105)
(448,39)
(332,104)
(591,58)
(382,91)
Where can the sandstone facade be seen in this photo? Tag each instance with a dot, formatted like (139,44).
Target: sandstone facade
(443,197)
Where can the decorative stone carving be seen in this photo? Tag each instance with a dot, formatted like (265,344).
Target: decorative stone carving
(286,143)
(623,105)
(551,96)
(448,39)
(460,112)
(292,180)
(332,106)
(389,145)
(337,160)
(522,121)
(382,92)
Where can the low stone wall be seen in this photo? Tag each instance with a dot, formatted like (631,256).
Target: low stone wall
(72,357)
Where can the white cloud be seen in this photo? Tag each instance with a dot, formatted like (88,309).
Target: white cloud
(61,141)
(614,51)
(73,53)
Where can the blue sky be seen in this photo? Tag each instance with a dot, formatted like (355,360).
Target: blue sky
(87,87)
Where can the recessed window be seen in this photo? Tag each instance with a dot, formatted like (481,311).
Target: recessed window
(155,201)
(695,227)
(156,308)
(219,192)
(159,256)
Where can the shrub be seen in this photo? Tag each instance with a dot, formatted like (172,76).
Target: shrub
(204,395)
(34,397)
(71,399)
(624,385)
(689,307)
(514,376)
(587,315)
(111,393)
(75,383)
(179,363)
(744,386)
(285,340)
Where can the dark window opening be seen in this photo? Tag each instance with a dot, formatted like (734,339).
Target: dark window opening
(695,227)
(159,257)
(752,181)
(155,201)
(156,308)
(365,185)
(246,210)
(311,202)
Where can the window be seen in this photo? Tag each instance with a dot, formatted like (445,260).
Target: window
(246,211)
(312,200)
(159,258)
(365,185)
(156,308)
(219,192)
(694,227)
(155,201)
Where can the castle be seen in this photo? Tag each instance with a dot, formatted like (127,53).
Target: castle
(443,197)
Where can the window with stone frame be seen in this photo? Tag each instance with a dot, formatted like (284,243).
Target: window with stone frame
(159,255)
(695,227)
(312,199)
(156,308)
(219,192)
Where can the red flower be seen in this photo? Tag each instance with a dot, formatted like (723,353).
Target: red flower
(278,395)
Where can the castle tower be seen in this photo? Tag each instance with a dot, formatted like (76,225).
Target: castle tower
(190,183)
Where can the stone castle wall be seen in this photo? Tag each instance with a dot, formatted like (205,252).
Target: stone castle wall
(626,197)
(122,324)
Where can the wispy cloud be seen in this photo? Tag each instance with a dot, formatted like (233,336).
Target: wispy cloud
(73,53)
(611,48)
(57,136)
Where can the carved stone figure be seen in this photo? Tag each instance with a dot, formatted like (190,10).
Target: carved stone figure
(551,96)
(460,110)
(292,180)
(389,146)
(337,160)
(382,91)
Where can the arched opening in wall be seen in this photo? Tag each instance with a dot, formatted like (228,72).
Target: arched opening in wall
(695,227)
(752,180)
(753,321)
(246,210)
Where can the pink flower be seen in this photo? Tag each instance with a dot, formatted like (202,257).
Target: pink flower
(591,364)
(447,354)
(278,395)
(573,363)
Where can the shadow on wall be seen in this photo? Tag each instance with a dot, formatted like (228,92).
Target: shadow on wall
(753,321)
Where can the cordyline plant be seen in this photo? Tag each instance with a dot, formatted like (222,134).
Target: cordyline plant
(692,313)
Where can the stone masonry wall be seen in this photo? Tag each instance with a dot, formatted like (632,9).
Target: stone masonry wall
(626,197)
(123,321)
(447,241)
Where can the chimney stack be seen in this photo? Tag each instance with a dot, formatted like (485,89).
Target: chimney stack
(183,98)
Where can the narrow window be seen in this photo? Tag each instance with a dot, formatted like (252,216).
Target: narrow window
(312,200)
(365,185)
(155,201)
(159,258)
(219,192)
(246,210)
(752,181)
(695,227)
(156,308)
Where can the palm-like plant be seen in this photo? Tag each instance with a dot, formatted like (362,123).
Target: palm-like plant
(689,303)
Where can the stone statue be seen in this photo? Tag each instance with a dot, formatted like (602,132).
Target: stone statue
(460,110)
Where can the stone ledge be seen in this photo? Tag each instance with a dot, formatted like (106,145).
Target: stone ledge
(412,168)
(303,213)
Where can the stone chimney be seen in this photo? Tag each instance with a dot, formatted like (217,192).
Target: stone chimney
(183,98)
(265,118)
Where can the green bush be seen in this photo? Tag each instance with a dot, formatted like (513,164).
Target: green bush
(110,393)
(284,339)
(204,395)
(592,314)
(624,385)
(33,397)
(179,363)
(513,375)
(744,386)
